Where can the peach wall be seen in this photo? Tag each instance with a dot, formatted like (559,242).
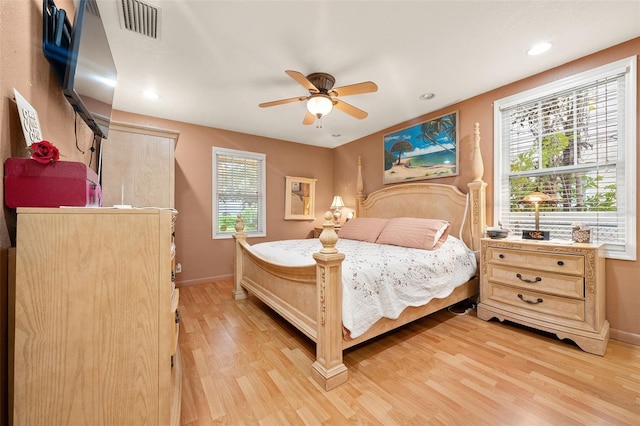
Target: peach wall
(204,259)
(623,285)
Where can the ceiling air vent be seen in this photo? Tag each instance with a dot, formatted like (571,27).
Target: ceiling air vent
(139,17)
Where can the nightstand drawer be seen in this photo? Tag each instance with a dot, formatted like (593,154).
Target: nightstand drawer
(554,307)
(551,262)
(527,279)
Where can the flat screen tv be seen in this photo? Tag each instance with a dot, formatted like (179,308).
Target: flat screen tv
(90,74)
(56,38)
(89,70)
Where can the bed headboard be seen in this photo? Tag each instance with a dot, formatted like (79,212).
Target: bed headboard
(428,200)
(433,200)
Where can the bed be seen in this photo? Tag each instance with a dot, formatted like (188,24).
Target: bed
(309,296)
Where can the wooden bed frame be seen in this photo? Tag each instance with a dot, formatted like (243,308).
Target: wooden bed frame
(310,297)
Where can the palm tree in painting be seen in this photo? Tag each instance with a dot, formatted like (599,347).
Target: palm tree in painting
(400,147)
(432,130)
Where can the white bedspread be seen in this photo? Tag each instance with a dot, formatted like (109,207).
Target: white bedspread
(381,280)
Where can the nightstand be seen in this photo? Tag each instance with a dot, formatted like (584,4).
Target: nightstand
(558,288)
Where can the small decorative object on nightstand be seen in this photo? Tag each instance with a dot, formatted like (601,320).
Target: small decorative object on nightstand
(580,233)
(558,288)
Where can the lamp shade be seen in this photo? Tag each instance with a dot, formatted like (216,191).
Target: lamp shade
(536,197)
(337,202)
(319,104)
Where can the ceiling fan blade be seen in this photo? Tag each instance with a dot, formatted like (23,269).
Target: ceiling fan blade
(302,80)
(350,109)
(309,118)
(355,89)
(282,101)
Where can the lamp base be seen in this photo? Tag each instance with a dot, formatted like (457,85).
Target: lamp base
(535,235)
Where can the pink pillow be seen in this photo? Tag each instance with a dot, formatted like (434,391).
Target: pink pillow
(363,229)
(428,234)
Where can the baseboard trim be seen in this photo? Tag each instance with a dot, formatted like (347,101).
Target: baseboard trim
(625,336)
(204,280)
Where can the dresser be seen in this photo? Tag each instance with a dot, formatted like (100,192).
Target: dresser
(558,288)
(94,318)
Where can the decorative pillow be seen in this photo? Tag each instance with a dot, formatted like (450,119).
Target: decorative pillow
(428,234)
(363,229)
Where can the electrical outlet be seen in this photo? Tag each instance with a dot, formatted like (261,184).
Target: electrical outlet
(178,268)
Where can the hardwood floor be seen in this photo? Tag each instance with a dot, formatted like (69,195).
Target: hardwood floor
(243,364)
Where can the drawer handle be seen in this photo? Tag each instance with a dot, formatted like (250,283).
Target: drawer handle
(501,256)
(177,317)
(526,280)
(560,263)
(531,302)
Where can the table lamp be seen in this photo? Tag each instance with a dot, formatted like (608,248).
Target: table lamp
(336,205)
(536,197)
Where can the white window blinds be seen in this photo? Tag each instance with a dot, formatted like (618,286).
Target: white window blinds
(574,141)
(238,188)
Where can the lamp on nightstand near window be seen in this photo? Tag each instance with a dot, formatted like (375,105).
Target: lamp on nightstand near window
(337,204)
(536,197)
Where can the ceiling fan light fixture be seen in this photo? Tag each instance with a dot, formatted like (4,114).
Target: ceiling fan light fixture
(319,104)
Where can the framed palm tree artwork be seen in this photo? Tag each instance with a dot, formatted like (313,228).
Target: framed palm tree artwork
(423,151)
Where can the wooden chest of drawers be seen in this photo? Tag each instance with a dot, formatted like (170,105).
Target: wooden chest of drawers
(94,315)
(556,288)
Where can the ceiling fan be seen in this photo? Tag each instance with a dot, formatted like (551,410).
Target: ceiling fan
(323,96)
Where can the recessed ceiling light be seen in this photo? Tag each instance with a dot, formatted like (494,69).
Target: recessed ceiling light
(150,94)
(427,96)
(539,48)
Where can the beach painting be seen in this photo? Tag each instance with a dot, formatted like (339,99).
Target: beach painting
(424,151)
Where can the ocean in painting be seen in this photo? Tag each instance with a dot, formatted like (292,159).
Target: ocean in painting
(432,159)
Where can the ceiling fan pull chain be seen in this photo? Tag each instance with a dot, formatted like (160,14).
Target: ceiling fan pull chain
(319,122)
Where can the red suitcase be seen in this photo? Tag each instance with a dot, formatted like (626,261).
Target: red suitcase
(28,183)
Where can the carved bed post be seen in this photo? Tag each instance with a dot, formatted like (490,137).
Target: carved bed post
(477,165)
(328,369)
(359,188)
(477,192)
(239,236)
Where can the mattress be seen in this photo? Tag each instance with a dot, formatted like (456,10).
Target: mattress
(380,280)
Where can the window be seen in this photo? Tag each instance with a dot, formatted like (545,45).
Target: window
(573,140)
(238,188)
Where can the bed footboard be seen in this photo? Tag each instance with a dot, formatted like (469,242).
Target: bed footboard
(309,297)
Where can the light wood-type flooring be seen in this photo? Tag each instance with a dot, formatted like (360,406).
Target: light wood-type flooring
(243,364)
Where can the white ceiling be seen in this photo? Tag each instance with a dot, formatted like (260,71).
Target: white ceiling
(215,61)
